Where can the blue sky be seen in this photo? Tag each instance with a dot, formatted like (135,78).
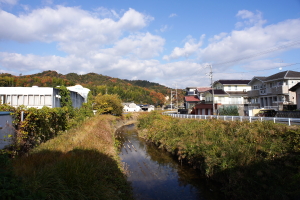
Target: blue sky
(168,42)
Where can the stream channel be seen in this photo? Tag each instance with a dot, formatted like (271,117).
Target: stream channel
(155,174)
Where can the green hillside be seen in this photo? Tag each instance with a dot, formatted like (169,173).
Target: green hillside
(138,91)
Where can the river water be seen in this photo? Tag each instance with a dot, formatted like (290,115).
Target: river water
(156,174)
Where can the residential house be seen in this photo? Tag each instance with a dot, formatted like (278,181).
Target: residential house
(131,107)
(225,92)
(193,96)
(296,89)
(148,108)
(36,97)
(274,91)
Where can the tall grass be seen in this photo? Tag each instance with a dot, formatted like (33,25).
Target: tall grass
(240,155)
(81,163)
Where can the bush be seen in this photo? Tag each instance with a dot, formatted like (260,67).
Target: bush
(229,110)
(108,104)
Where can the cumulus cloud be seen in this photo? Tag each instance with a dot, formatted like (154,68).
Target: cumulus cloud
(10,2)
(140,45)
(74,29)
(250,41)
(190,47)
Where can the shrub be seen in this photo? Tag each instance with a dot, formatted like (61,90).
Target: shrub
(108,104)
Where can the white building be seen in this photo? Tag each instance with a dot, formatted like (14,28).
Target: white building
(36,97)
(131,107)
(80,90)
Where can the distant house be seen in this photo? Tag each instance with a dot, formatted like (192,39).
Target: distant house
(148,108)
(193,96)
(36,97)
(224,92)
(296,89)
(131,107)
(274,91)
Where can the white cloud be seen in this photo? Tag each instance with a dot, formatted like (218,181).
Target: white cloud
(250,41)
(190,47)
(140,45)
(75,30)
(173,15)
(11,2)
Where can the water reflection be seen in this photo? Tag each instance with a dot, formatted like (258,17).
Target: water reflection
(155,174)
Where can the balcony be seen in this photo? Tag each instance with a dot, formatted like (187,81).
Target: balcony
(284,89)
(253,93)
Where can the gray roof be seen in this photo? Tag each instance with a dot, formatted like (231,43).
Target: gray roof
(284,75)
(218,92)
(234,82)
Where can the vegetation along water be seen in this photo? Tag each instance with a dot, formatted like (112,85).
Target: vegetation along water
(258,160)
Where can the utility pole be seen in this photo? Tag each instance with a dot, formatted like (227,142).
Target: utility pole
(171,99)
(212,89)
(176,97)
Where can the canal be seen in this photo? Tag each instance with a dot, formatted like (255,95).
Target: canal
(155,174)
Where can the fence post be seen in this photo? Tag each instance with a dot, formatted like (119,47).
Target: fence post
(250,119)
(261,119)
(289,121)
(274,120)
(231,118)
(241,119)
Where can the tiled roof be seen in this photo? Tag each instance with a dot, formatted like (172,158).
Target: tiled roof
(191,98)
(203,89)
(234,82)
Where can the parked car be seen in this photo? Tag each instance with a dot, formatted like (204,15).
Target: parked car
(267,113)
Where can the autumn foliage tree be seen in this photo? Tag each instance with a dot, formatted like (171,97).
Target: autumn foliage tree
(108,104)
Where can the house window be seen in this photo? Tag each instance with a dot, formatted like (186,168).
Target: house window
(255,87)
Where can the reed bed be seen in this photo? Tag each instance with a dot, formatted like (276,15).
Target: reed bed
(259,160)
(81,163)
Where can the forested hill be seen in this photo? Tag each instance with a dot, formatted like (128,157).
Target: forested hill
(138,91)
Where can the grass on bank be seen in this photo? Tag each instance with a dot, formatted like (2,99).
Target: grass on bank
(79,164)
(259,160)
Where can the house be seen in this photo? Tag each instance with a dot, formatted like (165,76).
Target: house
(224,92)
(193,96)
(296,89)
(7,131)
(131,107)
(148,108)
(36,97)
(274,91)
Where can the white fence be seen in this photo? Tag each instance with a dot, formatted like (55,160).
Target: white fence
(289,121)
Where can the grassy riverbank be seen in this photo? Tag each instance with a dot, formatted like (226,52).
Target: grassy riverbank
(259,160)
(79,164)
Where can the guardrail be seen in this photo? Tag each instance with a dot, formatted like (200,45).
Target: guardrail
(289,121)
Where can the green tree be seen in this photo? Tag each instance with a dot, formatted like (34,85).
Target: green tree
(108,104)
(229,110)
(65,97)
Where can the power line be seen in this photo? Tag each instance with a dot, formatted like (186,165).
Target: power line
(261,53)
(257,70)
